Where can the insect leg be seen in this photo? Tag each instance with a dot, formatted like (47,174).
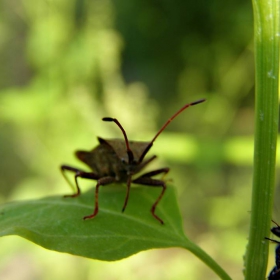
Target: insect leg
(64,168)
(273,240)
(156,183)
(153,183)
(146,180)
(155,172)
(127,192)
(101,182)
(79,173)
(145,163)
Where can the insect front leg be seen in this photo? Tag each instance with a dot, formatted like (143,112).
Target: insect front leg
(146,180)
(163,171)
(78,173)
(101,182)
(128,183)
(145,163)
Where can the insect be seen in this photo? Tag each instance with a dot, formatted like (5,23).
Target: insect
(118,160)
(275,272)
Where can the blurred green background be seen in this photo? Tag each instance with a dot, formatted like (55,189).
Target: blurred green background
(65,64)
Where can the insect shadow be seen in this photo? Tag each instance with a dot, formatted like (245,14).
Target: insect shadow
(117,160)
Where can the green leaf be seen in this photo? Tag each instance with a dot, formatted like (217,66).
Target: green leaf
(56,223)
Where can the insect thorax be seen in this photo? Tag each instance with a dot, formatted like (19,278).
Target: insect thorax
(109,159)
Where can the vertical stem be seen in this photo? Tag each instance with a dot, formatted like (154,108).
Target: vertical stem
(267,34)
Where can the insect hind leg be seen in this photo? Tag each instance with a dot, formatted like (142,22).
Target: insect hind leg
(146,180)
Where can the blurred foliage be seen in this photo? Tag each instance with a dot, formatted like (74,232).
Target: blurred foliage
(66,64)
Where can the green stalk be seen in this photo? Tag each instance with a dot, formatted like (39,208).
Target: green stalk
(267,34)
(197,251)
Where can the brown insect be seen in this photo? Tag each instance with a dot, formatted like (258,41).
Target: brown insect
(115,160)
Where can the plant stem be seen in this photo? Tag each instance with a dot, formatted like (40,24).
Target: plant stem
(204,257)
(266,32)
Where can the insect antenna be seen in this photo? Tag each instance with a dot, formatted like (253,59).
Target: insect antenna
(128,150)
(275,223)
(166,124)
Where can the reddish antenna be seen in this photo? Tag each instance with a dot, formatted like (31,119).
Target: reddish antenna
(166,124)
(128,150)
